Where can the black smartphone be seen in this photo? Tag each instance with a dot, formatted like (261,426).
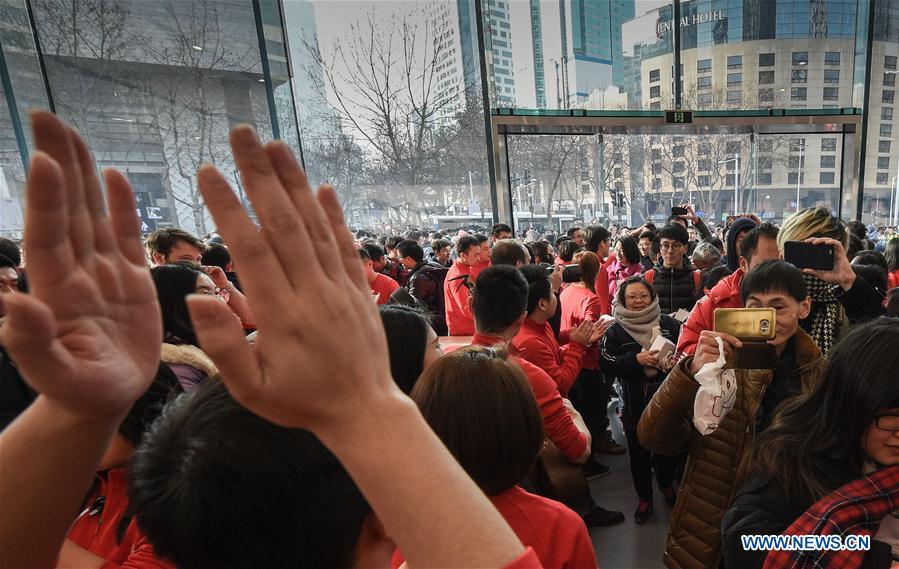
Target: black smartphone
(679,211)
(808,256)
(571,274)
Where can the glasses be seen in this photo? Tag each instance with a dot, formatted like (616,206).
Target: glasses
(221,293)
(671,246)
(887,423)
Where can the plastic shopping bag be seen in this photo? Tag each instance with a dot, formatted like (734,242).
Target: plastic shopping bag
(716,395)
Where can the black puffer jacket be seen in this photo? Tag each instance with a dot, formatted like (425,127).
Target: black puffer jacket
(618,358)
(426,285)
(676,288)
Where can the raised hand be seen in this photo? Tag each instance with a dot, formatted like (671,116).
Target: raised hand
(842,273)
(582,333)
(88,335)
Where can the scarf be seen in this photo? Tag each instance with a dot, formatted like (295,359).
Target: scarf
(639,323)
(826,314)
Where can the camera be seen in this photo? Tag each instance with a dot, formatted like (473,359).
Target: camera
(570,273)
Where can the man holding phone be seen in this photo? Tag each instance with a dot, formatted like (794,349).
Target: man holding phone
(712,471)
(684,213)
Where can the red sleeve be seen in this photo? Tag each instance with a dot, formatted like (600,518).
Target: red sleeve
(142,556)
(583,556)
(593,307)
(557,423)
(527,560)
(602,293)
(537,352)
(701,318)
(459,319)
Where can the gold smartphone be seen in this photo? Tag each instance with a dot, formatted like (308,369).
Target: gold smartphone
(747,323)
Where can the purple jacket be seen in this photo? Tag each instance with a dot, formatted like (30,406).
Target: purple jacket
(619,273)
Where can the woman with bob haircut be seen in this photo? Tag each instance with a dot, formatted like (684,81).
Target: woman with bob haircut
(482,408)
(412,343)
(844,429)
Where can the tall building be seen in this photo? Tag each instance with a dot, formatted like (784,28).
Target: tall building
(499,44)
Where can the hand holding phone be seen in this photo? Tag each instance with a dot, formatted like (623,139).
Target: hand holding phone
(839,273)
(809,255)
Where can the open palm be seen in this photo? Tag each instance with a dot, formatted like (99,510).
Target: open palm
(89,334)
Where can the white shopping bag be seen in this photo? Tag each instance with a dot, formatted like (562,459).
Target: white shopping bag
(716,395)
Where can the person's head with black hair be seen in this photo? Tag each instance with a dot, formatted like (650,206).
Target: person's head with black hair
(510,252)
(11,250)
(409,253)
(892,304)
(627,251)
(174,245)
(759,244)
(713,276)
(716,242)
(376,255)
(567,250)
(858,229)
(501,231)
(856,246)
(874,275)
(635,294)
(560,240)
(9,279)
(469,250)
(541,252)
(577,235)
(484,244)
(390,245)
(673,242)
(676,219)
(499,301)
(823,439)
(736,232)
(214,485)
(644,242)
(173,284)
(891,254)
(597,240)
(217,255)
(483,409)
(869,258)
(412,343)
(542,302)
(442,249)
(779,285)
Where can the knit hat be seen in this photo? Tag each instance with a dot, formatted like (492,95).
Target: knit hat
(738,225)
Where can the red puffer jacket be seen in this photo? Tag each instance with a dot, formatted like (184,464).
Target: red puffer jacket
(725,294)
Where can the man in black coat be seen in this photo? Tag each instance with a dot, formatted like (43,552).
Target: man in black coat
(425,282)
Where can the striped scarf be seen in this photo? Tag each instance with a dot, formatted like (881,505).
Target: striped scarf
(827,313)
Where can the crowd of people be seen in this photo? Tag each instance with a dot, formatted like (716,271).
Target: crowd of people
(277,393)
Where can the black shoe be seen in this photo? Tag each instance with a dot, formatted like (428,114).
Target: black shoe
(605,444)
(600,517)
(670,495)
(594,469)
(641,515)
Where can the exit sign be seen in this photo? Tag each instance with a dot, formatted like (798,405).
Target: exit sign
(678,117)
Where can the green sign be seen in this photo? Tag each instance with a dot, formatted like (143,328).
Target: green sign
(678,117)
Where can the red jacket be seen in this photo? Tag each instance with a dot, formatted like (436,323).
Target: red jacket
(383,286)
(579,304)
(96,528)
(537,344)
(459,319)
(557,423)
(602,286)
(725,294)
(557,535)
(477,269)
(893,279)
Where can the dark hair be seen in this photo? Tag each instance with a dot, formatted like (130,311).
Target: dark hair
(636,279)
(375,252)
(364,254)
(714,275)
(814,444)
(870,258)
(715,242)
(500,297)
(483,409)
(393,241)
(856,245)
(10,249)
(465,243)
(572,230)
(407,340)
(481,238)
(508,252)
(596,234)
(891,254)
(630,249)
(875,275)
(173,283)
(647,234)
(163,240)
(540,249)
(539,285)
(858,229)
(215,485)
(7,263)
(751,240)
(893,302)
(148,407)
(500,228)
(674,231)
(438,244)
(411,249)
(562,239)
(216,255)
(567,250)
(774,275)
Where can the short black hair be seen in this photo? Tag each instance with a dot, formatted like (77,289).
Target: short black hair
(596,234)
(508,252)
(858,229)
(7,263)
(500,297)
(173,284)
(215,485)
(636,279)
(465,243)
(567,250)
(364,254)
(149,406)
(500,228)
(10,249)
(875,275)
(438,244)
(647,234)
(375,252)
(393,241)
(539,285)
(751,240)
(561,240)
(870,258)
(407,339)
(481,238)
(572,230)
(540,249)
(714,275)
(411,249)
(216,255)
(674,231)
(774,275)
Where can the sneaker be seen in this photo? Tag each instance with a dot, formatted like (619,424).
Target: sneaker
(670,495)
(607,445)
(599,517)
(594,469)
(644,510)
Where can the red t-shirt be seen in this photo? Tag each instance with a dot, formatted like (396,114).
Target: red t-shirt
(459,318)
(602,286)
(537,344)
(556,534)
(383,286)
(579,304)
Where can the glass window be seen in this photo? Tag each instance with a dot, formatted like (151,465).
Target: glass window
(704,99)
(886,129)
(889,62)
(794,162)
(831,58)
(887,97)
(764,162)
(678,150)
(764,178)
(797,144)
(831,75)
(657,183)
(766,60)
(800,58)
(704,82)
(677,167)
(766,145)
(886,113)
(826,178)
(704,165)
(831,93)
(828,145)
(703,181)
(734,97)
(732,147)
(883,162)
(656,168)
(656,154)
(734,79)
(655,92)
(883,146)
(828,161)
(798,94)
(704,66)
(766,96)
(882,178)
(678,183)
(799,76)
(655,105)
(730,180)
(766,77)
(889,79)
(655,75)
(735,62)
(793,178)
